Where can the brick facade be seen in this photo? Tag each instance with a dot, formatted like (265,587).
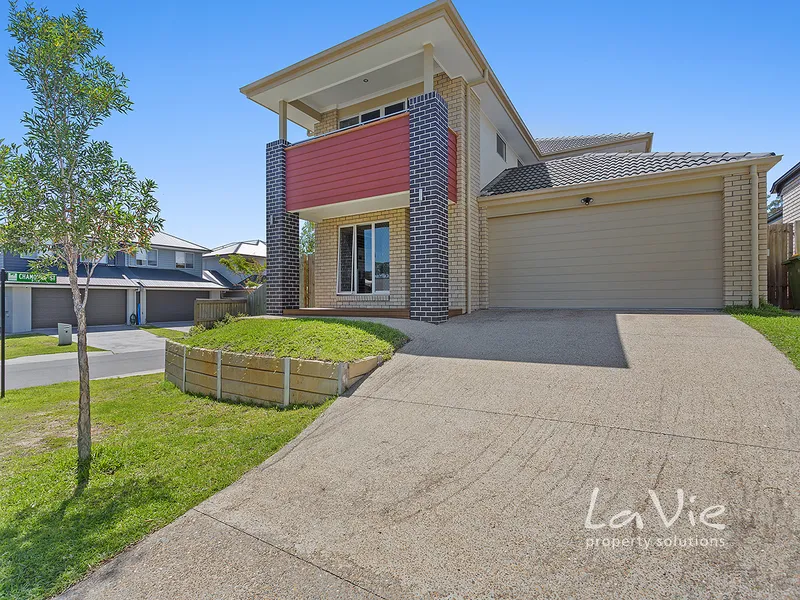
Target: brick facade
(329,122)
(737,252)
(326,262)
(282,237)
(463,104)
(428,210)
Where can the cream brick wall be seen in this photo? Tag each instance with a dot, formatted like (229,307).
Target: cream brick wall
(329,122)
(457,94)
(327,253)
(737,253)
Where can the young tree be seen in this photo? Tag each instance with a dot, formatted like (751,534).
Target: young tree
(63,194)
(308,241)
(244,266)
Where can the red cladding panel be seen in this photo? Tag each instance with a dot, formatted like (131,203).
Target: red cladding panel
(452,166)
(370,160)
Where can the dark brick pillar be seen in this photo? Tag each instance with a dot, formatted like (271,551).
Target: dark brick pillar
(428,208)
(283,237)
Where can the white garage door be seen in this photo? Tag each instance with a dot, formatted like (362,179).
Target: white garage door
(651,254)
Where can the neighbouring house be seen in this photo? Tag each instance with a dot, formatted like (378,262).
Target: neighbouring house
(252,249)
(157,285)
(776,216)
(432,198)
(787,188)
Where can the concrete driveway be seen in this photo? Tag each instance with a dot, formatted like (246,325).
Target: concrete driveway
(464,468)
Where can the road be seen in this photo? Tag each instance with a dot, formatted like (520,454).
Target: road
(64,367)
(127,351)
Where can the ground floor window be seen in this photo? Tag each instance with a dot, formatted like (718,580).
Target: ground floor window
(364,259)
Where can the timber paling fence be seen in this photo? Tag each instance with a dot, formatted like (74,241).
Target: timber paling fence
(207,312)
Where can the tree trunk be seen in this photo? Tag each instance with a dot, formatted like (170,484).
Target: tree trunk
(84,413)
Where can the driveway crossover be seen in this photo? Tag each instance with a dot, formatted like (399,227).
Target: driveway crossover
(464,468)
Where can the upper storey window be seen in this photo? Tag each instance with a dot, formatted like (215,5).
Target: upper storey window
(372,114)
(501,147)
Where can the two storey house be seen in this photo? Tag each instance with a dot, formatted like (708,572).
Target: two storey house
(431,197)
(160,284)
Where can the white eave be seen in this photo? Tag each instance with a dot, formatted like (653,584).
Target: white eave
(387,56)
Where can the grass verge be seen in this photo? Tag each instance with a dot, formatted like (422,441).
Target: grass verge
(33,344)
(335,340)
(157,452)
(781,328)
(164,332)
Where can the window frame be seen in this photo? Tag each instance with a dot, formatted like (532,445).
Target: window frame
(353,265)
(498,140)
(185,264)
(102,261)
(382,114)
(146,262)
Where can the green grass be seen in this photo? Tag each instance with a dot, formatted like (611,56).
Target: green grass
(321,339)
(157,452)
(164,332)
(32,344)
(781,328)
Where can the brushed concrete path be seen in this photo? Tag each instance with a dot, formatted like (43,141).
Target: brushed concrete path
(464,468)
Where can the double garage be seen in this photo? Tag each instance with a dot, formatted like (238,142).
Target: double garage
(50,306)
(614,252)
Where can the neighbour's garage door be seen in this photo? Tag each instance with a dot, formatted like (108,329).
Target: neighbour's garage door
(170,305)
(664,253)
(50,306)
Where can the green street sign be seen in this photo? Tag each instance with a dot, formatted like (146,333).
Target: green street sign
(23,277)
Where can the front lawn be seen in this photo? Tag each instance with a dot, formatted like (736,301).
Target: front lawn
(165,332)
(336,340)
(31,344)
(157,453)
(778,326)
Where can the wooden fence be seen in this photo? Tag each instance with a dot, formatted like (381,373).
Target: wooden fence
(257,301)
(260,379)
(307,281)
(779,244)
(208,312)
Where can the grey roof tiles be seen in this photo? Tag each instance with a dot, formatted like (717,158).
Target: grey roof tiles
(555,145)
(604,166)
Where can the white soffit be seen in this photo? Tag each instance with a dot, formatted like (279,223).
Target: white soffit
(396,75)
(352,207)
(499,117)
(448,50)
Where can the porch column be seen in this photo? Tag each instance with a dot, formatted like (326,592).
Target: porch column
(283,237)
(429,298)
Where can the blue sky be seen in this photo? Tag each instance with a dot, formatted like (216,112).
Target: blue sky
(704,76)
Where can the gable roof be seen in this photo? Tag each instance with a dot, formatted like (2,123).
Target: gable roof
(254,248)
(777,187)
(604,166)
(171,241)
(557,145)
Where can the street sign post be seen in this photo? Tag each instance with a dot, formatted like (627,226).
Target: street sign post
(3,333)
(25,277)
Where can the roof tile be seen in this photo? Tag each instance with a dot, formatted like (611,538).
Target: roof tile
(604,166)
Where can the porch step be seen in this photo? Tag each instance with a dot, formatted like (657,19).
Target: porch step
(390,313)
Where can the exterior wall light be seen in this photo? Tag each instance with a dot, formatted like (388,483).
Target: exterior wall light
(586,201)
